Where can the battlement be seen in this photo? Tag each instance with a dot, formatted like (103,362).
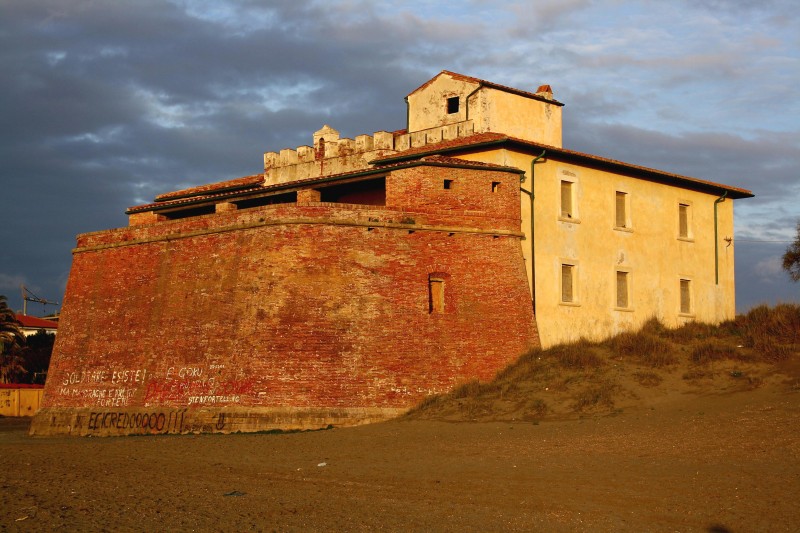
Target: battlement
(332,154)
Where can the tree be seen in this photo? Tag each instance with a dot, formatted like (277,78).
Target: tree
(791,259)
(11,341)
(36,356)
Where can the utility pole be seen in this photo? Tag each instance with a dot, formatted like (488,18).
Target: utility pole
(28,296)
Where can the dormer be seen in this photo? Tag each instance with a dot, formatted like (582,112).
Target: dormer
(451,98)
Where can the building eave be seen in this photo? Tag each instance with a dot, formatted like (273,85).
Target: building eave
(482,141)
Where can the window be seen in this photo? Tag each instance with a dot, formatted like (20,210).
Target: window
(448,184)
(686,296)
(435,295)
(621,209)
(623,300)
(684,221)
(568,283)
(452,105)
(566,199)
(495,186)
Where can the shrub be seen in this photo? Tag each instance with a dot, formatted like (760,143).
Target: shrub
(709,352)
(692,331)
(645,347)
(579,355)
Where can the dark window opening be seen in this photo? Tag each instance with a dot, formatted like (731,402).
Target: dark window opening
(367,192)
(448,184)
(452,105)
(189,212)
(495,186)
(286,198)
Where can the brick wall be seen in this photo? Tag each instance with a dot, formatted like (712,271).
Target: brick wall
(282,316)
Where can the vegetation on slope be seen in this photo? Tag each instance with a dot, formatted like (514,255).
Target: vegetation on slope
(642,368)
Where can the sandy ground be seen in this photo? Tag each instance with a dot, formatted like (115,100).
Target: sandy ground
(715,463)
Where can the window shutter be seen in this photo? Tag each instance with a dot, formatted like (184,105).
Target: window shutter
(686,296)
(621,221)
(622,289)
(566,199)
(566,283)
(683,220)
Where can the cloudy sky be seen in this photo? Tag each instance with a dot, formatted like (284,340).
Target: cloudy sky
(105,104)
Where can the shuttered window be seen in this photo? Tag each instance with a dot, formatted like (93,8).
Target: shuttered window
(621,210)
(683,220)
(686,296)
(567,283)
(566,199)
(622,289)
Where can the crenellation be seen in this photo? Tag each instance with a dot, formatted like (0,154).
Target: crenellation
(364,143)
(383,140)
(346,146)
(332,154)
(418,138)
(434,136)
(466,128)
(449,132)
(288,157)
(332,150)
(305,154)
(402,142)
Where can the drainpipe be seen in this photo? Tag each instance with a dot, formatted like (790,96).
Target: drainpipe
(466,101)
(716,237)
(408,114)
(533,263)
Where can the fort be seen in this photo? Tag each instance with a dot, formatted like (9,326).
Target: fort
(353,277)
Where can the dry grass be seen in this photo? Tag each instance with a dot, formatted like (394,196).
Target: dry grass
(591,376)
(643,347)
(648,379)
(708,352)
(579,355)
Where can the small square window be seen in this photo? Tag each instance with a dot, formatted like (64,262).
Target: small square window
(448,184)
(452,105)
(495,186)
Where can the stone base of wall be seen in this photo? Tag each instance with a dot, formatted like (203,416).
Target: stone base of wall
(160,420)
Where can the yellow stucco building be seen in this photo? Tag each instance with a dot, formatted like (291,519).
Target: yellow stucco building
(610,244)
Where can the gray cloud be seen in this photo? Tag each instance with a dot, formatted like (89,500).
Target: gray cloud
(106,104)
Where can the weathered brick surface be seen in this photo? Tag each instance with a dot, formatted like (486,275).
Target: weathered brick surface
(287,315)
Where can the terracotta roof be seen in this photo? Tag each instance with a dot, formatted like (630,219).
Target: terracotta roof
(481,139)
(455,161)
(28,321)
(235,184)
(490,84)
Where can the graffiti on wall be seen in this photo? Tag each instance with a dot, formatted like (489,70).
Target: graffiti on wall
(157,421)
(183,385)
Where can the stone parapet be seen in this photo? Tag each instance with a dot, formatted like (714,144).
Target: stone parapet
(332,155)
